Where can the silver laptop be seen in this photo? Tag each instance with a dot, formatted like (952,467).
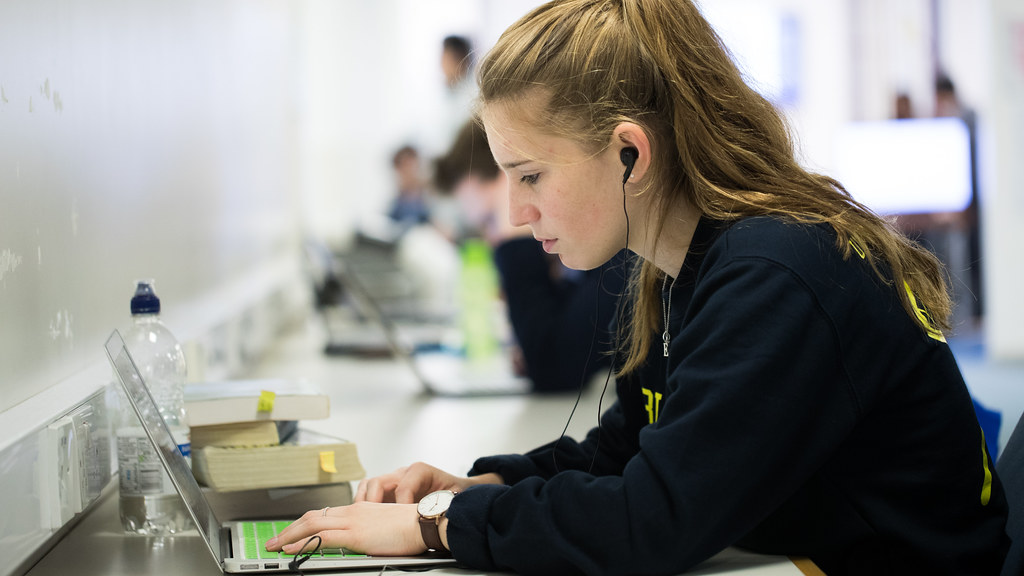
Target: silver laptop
(236,546)
(440,371)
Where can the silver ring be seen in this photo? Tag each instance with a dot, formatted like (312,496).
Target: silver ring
(325,511)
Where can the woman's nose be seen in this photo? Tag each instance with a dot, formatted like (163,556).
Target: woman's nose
(520,212)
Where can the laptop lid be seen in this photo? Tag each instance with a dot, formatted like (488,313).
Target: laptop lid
(440,372)
(167,449)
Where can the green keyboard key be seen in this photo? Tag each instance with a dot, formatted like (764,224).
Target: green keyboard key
(256,534)
(250,541)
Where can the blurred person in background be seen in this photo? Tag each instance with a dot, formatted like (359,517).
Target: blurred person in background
(561,317)
(903,107)
(457,67)
(963,227)
(409,207)
(954,237)
(457,108)
(916,223)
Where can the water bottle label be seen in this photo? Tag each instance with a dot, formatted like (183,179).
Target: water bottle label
(186,451)
(140,470)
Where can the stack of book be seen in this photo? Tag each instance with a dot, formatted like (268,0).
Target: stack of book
(252,458)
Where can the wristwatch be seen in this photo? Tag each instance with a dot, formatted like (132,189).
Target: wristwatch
(432,508)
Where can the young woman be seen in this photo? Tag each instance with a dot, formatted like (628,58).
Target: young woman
(783,382)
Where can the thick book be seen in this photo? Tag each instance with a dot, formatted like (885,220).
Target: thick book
(240,434)
(306,459)
(208,403)
(285,503)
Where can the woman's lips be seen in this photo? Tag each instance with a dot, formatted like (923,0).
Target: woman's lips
(548,245)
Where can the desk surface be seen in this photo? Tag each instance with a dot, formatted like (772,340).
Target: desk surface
(97,546)
(379,405)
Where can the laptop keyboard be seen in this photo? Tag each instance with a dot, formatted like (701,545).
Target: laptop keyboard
(256,534)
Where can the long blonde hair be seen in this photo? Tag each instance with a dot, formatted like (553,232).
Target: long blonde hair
(716,143)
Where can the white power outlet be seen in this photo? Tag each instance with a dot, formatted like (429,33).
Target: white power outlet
(74,461)
(92,431)
(61,468)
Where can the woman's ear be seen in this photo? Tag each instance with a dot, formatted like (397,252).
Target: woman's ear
(633,148)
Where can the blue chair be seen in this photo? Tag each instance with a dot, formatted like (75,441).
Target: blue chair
(991,421)
(1010,468)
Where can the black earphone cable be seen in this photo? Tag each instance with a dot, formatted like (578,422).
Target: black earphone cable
(296,563)
(593,338)
(583,376)
(615,348)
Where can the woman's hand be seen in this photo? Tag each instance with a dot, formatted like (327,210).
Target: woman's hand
(407,485)
(383,521)
(368,528)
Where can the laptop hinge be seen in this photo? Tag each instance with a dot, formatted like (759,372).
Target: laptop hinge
(226,546)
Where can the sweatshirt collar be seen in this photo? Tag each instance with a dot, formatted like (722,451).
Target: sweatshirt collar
(704,236)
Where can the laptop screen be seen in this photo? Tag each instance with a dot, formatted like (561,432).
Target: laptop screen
(160,436)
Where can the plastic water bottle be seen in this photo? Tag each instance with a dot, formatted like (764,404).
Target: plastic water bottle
(149,504)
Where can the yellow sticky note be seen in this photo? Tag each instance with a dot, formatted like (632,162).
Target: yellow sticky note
(266,401)
(327,462)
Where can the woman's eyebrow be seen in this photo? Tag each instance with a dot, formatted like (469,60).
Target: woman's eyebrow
(511,165)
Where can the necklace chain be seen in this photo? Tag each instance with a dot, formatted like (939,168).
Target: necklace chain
(666,310)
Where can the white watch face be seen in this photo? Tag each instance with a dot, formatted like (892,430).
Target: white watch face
(435,503)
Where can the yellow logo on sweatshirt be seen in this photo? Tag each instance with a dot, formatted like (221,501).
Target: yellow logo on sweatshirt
(923,316)
(653,404)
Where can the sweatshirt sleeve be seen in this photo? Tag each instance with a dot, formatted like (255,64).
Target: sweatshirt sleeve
(748,413)
(561,326)
(604,451)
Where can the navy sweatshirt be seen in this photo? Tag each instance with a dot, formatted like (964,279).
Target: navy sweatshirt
(561,322)
(800,411)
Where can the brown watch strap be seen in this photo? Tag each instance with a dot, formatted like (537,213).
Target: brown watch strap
(431,531)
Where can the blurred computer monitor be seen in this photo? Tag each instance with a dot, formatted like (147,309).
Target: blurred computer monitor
(906,166)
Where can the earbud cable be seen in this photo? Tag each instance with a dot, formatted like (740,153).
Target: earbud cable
(593,338)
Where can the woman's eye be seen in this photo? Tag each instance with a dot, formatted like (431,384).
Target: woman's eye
(529,179)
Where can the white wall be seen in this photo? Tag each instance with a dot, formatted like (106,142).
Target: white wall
(137,139)
(1003,139)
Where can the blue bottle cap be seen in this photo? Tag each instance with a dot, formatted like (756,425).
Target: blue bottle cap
(145,300)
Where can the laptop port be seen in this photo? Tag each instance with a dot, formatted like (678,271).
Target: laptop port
(271,566)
